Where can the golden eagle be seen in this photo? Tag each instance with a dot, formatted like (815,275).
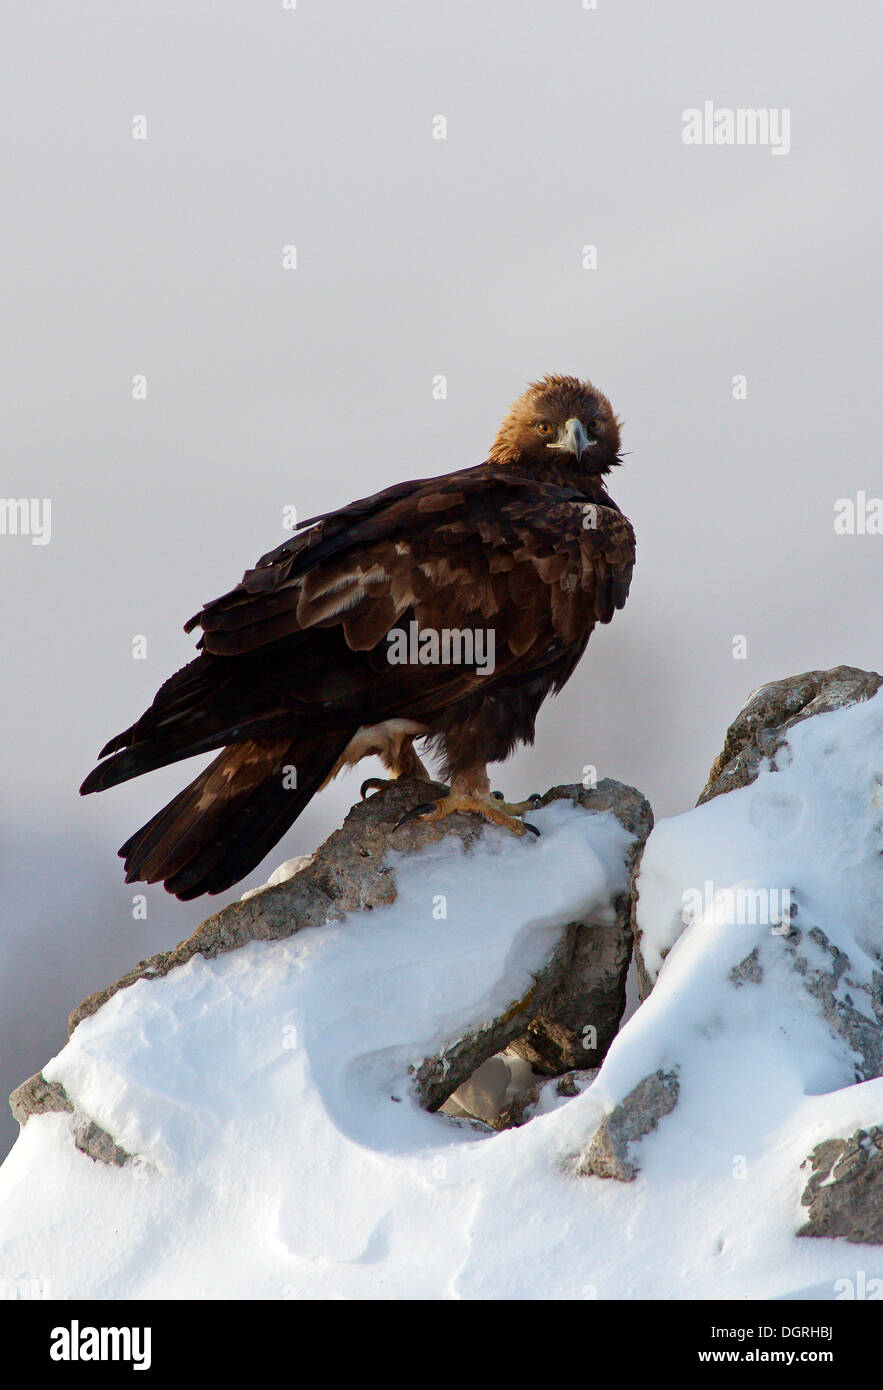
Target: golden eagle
(444,608)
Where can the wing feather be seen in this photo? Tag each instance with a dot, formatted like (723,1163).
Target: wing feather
(485,547)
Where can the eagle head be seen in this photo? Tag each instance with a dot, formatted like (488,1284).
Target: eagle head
(562,425)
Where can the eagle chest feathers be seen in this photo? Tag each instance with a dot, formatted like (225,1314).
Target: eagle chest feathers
(444,608)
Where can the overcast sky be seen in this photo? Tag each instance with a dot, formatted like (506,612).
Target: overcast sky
(416,257)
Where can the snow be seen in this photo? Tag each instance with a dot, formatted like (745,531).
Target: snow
(281,875)
(816,822)
(281,1154)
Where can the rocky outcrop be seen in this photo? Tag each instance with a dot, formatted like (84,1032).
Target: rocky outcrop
(761,726)
(542,1096)
(773,901)
(348,874)
(296,1068)
(754,740)
(568,1016)
(574,1024)
(578,1006)
(829,977)
(573,1011)
(610,1153)
(845,1191)
(504,1092)
(37,1096)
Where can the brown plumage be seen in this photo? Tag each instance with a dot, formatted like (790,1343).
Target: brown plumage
(295,679)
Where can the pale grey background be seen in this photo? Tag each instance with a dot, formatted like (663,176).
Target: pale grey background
(416,257)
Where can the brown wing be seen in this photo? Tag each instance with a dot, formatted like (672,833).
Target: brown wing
(296,658)
(480,549)
(302,642)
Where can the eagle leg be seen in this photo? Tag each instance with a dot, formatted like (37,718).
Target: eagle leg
(470,792)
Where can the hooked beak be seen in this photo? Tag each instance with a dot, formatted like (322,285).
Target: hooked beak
(572,439)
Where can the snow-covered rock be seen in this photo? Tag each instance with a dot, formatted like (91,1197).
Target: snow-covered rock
(845,1190)
(267,1084)
(271,1093)
(760,919)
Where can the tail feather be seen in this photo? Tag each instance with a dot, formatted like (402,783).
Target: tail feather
(202,707)
(192,692)
(222,825)
(161,751)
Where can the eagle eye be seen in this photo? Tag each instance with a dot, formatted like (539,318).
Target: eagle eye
(543,427)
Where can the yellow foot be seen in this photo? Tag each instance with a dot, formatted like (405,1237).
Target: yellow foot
(491,808)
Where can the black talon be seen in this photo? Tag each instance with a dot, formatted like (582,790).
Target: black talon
(499,796)
(369,782)
(532,828)
(535,796)
(415,814)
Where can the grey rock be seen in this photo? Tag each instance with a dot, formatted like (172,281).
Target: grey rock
(748,971)
(568,1084)
(845,1191)
(756,735)
(37,1096)
(523,1106)
(591,989)
(823,981)
(437,1077)
(91,1139)
(609,1153)
(761,727)
(482,1096)
(645,983)
(492,1088)
(582,983)
(824,971)
(348,874)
